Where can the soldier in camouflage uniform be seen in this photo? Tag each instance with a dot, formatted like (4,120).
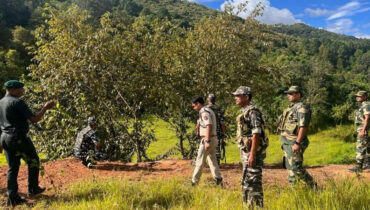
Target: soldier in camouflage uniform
(221,128)
(362,121)
(253,142)
(293,126)
(87,144)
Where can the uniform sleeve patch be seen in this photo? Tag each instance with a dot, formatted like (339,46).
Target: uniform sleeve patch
(205,117)
(367,109)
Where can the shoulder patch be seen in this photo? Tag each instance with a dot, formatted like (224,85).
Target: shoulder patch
(205,117)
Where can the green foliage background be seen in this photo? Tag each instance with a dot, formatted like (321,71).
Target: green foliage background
(123,60)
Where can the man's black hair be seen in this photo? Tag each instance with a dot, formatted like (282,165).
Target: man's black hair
(197,99)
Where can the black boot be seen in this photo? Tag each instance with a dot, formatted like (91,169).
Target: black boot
(36,191)
(366,164)
(219,182)
(16,200)
(356,169)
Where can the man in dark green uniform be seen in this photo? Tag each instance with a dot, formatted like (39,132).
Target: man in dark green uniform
(362,122)
(14,113)
(293,125)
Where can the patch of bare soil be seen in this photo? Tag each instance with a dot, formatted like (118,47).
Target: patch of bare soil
(58,174)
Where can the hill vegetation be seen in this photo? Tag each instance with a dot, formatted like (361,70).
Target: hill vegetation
(125,60)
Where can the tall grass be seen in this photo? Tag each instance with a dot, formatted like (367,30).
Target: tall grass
(174,194)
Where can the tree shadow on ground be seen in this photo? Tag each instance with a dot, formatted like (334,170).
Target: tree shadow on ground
(137,167)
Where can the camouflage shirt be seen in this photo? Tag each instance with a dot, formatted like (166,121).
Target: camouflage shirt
(251,121)
(86,140)
(360,115)
(219,118)
(295,116)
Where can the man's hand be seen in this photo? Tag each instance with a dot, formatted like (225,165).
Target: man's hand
(49,104)
(97,147)
(362,133)
(295,148)
(252,160)
(206,145)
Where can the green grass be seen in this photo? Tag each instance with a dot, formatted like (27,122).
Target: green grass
(330,146)
(326,147)
(3,159)
(173,194)
(166,139)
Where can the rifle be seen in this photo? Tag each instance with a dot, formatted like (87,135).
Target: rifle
(223,149)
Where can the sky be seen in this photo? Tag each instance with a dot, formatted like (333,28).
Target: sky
(350,17)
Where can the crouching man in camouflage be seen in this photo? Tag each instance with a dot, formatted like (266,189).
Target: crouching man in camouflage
(253,142)
(293,126)
(87,144)
(362,121)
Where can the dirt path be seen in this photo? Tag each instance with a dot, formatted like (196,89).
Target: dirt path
(59,174)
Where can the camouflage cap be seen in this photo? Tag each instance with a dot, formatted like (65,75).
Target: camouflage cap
(293,89)
(91,121)
(361,93)
(211,95)
(242,90)
(13,84)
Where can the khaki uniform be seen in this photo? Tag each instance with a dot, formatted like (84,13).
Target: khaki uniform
(295,116)
(207,117)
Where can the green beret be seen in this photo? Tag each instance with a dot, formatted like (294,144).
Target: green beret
(13,84)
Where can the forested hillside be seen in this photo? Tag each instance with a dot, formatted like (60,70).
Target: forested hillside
(125,60)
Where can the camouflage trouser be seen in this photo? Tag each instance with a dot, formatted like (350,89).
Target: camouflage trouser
(87,157)
(218,151)
(252,180)
(294,162)
(362,149)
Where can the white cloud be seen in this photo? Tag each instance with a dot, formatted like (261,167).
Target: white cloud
(341,26)
(271,15)
(351,5)
(318,12)
(349,9)
(362,35)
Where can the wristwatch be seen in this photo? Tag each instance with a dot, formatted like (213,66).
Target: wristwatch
(297,143)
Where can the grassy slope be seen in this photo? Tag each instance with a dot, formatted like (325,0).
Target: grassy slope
(326,147)
(173,194)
